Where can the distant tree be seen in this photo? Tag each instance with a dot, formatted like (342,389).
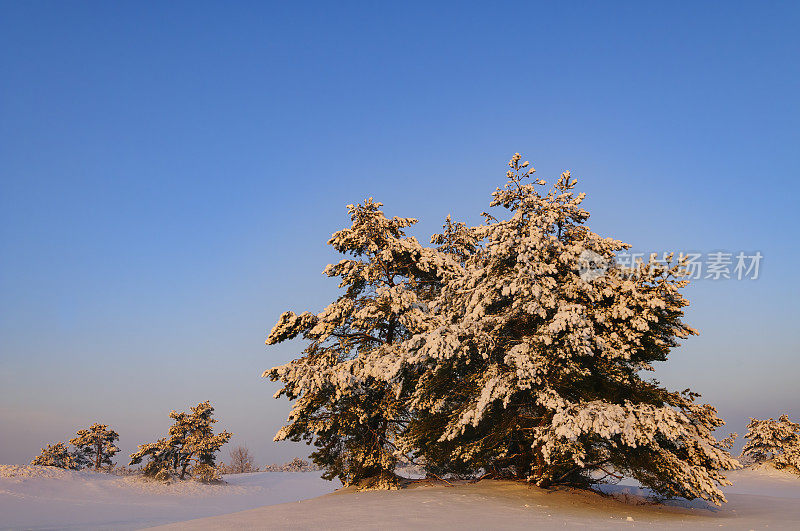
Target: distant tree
(57,455)
(190,447)
(777,440)
(241,461)
(295,465)
(95,445)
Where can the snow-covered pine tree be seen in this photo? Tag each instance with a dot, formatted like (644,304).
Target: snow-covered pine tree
(191,446)
(777,440)
(456,240)
(527,368)
(161,459)
(790,458)
(57,455)
(95,445)
(420,441)
(341,403)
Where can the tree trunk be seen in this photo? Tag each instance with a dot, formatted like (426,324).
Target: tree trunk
(523,460)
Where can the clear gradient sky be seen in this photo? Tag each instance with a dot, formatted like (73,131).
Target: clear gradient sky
(170,173)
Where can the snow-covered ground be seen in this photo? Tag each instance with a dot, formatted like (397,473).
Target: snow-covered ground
(47,498)
(37,497)
(758,500)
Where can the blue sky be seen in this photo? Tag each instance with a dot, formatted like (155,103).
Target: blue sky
(170,173)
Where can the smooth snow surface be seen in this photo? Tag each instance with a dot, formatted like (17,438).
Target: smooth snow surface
(759,500)
(33,497)
(47,498)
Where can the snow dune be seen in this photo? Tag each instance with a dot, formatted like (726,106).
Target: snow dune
(46,498)
(759,500)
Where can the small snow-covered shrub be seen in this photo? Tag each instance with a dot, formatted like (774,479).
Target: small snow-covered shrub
(57,455)
(242,461)
(206,473)
(295,465)
(121,470)
(774,440)
(93,447)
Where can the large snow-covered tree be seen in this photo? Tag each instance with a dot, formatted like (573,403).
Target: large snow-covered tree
(190,447)
(95,445)
(341,402)
(532,365)
(777,440)
(514,348)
